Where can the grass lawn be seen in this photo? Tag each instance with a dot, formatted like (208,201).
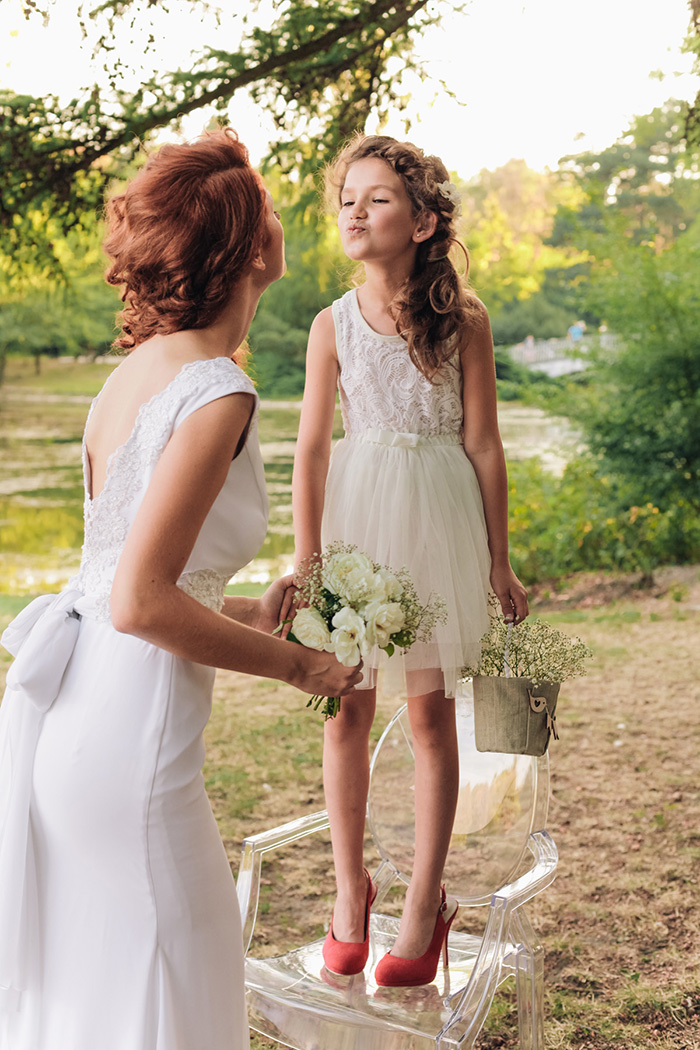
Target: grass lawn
(621,924)
(66,376)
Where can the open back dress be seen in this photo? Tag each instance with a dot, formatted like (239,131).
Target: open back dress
(119,924)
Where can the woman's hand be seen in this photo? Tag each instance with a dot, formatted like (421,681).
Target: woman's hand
(275,605)
(510,593)
(314,672)
(320,674)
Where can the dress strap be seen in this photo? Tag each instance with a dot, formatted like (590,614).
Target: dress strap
(202,382)
(338,307)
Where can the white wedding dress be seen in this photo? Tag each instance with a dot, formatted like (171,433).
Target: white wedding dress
(119,923)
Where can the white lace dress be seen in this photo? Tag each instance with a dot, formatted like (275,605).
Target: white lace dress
(119,924)
(401,488)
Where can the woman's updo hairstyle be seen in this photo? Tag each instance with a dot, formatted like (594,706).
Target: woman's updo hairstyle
(182,233)
(433,311)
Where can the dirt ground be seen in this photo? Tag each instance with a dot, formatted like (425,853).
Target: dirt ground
(621,924)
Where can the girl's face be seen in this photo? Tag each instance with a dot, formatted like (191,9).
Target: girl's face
(376,220)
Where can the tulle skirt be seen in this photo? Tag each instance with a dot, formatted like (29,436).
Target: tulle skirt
(413,501)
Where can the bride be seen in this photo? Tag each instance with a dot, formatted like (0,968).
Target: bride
(119,925)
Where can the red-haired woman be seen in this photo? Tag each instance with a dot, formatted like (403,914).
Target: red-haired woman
(119,926)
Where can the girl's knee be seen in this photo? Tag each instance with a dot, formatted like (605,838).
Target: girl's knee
(356,715)
(432,719)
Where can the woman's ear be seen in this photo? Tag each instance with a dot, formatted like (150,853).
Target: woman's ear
(425,226)
(257,263)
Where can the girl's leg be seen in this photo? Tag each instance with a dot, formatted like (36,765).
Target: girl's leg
(346,783)
(434,731)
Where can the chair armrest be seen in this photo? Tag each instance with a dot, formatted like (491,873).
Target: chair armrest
(252,851)
(470,1005)
(289,832)
(540,875)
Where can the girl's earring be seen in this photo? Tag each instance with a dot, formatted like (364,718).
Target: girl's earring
(423,232)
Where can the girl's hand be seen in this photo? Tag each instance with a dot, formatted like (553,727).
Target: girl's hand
(275,605)
(510,593)
(320,674)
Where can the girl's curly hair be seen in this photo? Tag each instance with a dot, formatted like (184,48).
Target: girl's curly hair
(182,233)
(433,310)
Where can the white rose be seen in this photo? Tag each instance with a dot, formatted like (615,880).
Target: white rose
(359,586)
(383,620)
(310,628)
(348,638)
(387,585)
(449,191)
(345,650)
(349,575)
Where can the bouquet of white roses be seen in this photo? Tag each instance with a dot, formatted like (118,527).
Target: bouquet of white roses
(353,604)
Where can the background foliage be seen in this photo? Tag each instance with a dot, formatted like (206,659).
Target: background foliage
(610,238)
(322,67)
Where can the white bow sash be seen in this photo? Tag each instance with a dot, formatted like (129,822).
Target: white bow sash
(42,639)
(398,439)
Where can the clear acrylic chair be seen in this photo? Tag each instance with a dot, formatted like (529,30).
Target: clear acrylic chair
(500,857)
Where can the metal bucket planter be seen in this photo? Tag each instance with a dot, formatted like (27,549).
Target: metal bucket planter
(514,716)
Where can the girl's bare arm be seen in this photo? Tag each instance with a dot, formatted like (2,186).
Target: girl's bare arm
(314,441)
(483,445)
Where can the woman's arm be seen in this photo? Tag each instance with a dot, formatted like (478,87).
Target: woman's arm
(146,600)
(482,443)
(315,432)
(264,613)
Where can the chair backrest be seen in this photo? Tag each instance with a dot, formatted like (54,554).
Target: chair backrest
(502,799)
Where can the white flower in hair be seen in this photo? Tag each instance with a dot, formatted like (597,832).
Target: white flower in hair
(449,191)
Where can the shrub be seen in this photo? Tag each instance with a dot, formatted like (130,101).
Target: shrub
(588,520)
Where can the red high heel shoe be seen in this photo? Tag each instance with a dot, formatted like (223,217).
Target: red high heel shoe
(346,958)
(393,972)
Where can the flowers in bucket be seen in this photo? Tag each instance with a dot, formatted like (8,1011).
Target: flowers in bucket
(534,649)
(353,604)
(517,680)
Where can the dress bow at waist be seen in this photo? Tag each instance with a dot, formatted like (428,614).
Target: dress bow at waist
(398,439)
(42,639)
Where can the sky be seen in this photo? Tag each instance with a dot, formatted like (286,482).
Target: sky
(533,79)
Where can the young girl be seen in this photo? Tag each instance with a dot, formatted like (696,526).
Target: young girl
(419,480)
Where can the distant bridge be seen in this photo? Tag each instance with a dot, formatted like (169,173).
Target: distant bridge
(558,357)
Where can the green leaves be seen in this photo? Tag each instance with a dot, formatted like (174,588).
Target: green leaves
(319,69)
(641,410)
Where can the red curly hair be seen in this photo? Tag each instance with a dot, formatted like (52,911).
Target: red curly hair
(182,233)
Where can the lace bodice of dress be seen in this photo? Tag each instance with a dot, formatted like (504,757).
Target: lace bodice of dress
(379,385)
(224,545)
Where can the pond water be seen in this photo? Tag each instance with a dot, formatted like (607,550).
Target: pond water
(41,494)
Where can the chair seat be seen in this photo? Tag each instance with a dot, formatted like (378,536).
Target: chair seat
(501,857)
(294,997)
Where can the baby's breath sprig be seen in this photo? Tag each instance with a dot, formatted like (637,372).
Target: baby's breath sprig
(536,650)
(420,620)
